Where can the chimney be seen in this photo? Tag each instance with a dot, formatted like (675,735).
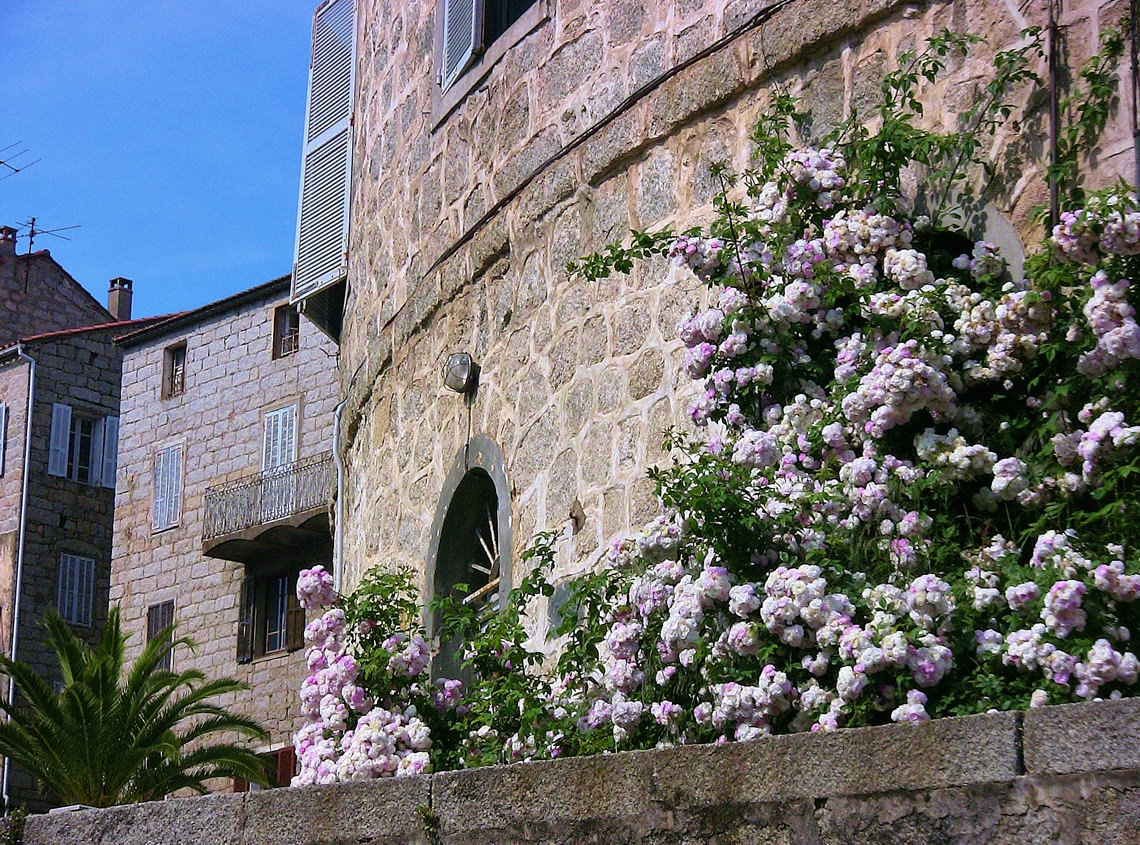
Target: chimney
(119,299)
(7,241)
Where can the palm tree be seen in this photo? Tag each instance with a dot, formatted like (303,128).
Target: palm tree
(110,737)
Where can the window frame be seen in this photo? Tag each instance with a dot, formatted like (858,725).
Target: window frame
(286,338)
(254,612)
(74,605)
(445,100)
(174,370)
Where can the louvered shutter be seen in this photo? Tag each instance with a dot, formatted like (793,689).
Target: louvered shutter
(280,443)
(294,619)
(167,505)
(110,451)
(65,600)
(3,434)
(85,591)
(60,440)
(462,38)
(95,472)
(286,765)
(321,257)
(245,621)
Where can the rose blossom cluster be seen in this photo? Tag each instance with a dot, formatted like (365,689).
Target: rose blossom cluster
(345,736)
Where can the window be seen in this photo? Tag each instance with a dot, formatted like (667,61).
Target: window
(167,505)
(279,447)
(3,434)
(174,370)
(83,448)
(282,762)
(271,620)
(160,617)
(76,595)
(286,330)
(469,28)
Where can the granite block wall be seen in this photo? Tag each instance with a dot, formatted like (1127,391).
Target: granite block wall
(1062,775)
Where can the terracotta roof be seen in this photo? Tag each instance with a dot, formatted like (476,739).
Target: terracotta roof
(138,323)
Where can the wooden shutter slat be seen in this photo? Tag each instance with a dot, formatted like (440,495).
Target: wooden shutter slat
(294,620)
(60,439)
(286,765)
(110,451)
(245,621)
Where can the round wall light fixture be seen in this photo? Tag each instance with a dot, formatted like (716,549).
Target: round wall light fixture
(460,372)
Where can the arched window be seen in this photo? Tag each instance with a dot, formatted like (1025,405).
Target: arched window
(470,549)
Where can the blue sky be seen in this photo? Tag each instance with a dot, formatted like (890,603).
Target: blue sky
(170,132)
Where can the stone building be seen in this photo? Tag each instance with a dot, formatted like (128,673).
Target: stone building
(59,426)
(488,143)
(225,476)
(38,296)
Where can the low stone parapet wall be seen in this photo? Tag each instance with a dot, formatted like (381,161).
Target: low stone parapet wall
(1068,774)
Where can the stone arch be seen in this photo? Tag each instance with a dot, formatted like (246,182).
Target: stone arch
(471,535)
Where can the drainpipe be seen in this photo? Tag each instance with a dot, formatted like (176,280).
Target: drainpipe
(338,517)
(20,547)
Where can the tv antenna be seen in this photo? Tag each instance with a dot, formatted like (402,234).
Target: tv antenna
(33,232)
(11,163)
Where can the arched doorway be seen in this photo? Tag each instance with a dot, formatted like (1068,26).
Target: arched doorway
(470,552)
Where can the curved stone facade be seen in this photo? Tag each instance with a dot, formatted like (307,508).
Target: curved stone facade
(598,118)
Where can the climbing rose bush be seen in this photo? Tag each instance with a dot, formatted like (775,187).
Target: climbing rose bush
(909,494)
(348,732)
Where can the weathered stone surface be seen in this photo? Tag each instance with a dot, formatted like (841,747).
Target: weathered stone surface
(378,812)
(1096,736)
(209,820)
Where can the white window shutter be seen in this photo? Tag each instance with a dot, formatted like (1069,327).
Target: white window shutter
(167,505)
(85,593)
(65,597)
(3,434)
(280,444)
(96,473)
(320,259)
(289,434)
(110,451)
(161,486)
(462,38)
(176,484)
(60,440)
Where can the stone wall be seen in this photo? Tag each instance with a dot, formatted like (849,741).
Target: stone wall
(231,380)
(37,296)
(603,116)
(1061,775)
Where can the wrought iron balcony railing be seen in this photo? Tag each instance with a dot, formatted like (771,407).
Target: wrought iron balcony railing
(267,496)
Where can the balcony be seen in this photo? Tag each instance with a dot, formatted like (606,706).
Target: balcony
(285,508)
